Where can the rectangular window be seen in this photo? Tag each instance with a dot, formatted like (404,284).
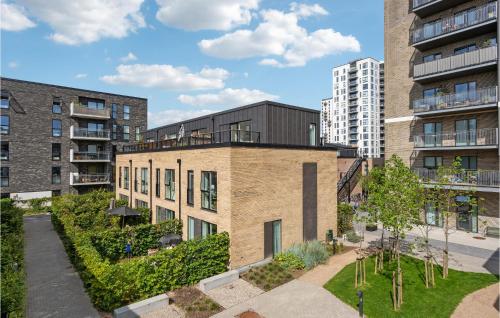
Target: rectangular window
(4,176)
(126,112)
(56,152)
(163,214)
(56,128)
(432,57)
(433,162)
(312,134)
(141,204)
(432,215)
(466,92)
(137,133)
(56,193)
(432,134)
(126,133)
(56,107)
(209,190)
(119,177)
(200,229)
(4,103)
(5,151)
(466,214)
(468,162)
(56,175)
(190,187)
(466,133)
(157,183)
(465,49)
(144,180)
(113,131)
(170,184)
(114,111)
(125,178)
(191,226)
(208,229)
(4,124)
(135,180)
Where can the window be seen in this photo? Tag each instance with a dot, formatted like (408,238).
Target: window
(56,107)
(432,134)
(125,178)
(135,180)
(466,213)
(4,176)
(163,214)
(241,132)
(432,57)
(312,134)
(56,175)
(199,228)
(126,112)
(4,103)
(113,131)
(170,184)
(56,193)
(468,162)
(56,128)
(126,133)
(56,152)
(208,229)
(190,187)
(432,215)
(466,91)
(114,111)
(5,151)
(141,204)
(157,183)
(209,190)
(95,103)
(124,197)
(4,124)
(465,49)
(137,133)
(144,180)
(465,132)
(433,162)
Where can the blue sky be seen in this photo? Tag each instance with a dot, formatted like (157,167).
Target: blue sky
(186,58)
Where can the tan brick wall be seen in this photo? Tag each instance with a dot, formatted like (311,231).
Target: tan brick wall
(254,185)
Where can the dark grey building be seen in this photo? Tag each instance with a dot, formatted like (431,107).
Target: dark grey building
(264,122)
(59,139)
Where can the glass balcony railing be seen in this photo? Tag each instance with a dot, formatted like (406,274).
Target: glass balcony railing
(89,156)
(84,133)
(80,110)
(478,97)
(454,23)
(467,138)
(89,179)
(488,178)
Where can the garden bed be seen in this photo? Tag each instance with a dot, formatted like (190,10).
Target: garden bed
(194,303)
(270,276)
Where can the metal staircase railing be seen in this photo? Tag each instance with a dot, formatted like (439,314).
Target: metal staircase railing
(349,174)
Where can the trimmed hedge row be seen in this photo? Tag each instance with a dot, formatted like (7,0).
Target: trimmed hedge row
(12,259)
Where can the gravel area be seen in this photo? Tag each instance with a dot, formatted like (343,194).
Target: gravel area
(167,311)
(234,293)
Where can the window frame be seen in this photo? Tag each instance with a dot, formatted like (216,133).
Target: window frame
(5,176)
(59,104)
(158,182)
(114,110)
(190,188)
(126,112)
(169,184)
(119,177)
(54,175)
(126,135)
(55,158)
(7,157)
(4,131)
(169,214)
(144,180)
(211,194)
(126,178)
(136,185)
(7,106)
(55,130)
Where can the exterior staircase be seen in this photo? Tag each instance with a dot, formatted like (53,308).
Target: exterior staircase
(349,180)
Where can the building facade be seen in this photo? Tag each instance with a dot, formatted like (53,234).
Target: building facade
(353,114)
(243,178)
(58,140)
(441,67)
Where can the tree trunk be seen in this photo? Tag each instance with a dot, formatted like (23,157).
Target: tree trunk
(445,254)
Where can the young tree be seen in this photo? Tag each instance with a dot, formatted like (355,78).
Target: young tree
(395,197)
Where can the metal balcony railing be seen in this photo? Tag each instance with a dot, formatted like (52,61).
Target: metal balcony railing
(77,132)
(454,23)
(90,156)
(456,62)
(78,109)
(478,97)
(467,138)
(487,178)
(84,179)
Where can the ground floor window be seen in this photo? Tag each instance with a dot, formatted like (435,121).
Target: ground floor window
(124,197)
(466,214)
(163,214)
(199,228)
(272,238)
(432,215)
(140,204)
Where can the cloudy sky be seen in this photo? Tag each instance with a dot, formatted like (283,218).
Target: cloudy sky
(190,57)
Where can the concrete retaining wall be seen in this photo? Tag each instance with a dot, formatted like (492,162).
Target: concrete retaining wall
(137,309)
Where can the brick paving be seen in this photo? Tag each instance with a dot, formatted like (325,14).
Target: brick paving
(54,287)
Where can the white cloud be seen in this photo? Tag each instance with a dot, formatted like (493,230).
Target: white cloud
(280,35)
(13,64)
(13,18)
(80,76)
(227,97)
(167,77)
(128,58)
(195,15)
(79,22)
(169,116)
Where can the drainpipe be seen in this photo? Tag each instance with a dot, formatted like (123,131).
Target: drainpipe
(150,190)
(130,183)
(179,161)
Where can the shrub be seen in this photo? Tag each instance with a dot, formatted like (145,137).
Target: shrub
(39,205)
(289,260)
(312,253)
(353,237)
(371,227)
(345,218)
(12,260)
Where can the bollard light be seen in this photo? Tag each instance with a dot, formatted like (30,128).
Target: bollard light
(360,303)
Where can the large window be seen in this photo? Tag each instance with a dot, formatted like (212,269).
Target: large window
(312,134)
(432,134)
(5,151)
(209,190)
(433,162)
(135,180)
(126,112)
(125,178)
(56,175)
(241,132)
(163,214)
(466,91)
(56,152)
(4,103)
(4,176)
(468,162)
(170,184)
(190,187)
(199,228)
(56,128)
(4,124)
(95,103)
(144,180)
(126,133)
(157,183)
(465,132)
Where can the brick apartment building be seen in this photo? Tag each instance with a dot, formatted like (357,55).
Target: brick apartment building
(441,74)
(255,172)
(58,140)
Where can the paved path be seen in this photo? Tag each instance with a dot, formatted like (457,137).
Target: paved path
(54,288)
(482,303)
(321,274)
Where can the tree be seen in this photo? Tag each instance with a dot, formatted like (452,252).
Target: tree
(395,197)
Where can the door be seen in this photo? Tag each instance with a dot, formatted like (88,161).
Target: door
(272,238)
(465,132)
(432,134)
(466,215)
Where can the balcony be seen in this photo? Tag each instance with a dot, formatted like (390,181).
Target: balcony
(457,65)
(78,133)
(77,179)
(481,180)
(82,111)
(453,103)
(449,29)
(424,8)
(486,138)
(78,156)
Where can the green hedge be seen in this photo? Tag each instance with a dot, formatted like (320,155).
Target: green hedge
(12,259)
(111,285)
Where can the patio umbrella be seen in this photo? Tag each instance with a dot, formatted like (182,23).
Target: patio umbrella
(123,211)
(170,239)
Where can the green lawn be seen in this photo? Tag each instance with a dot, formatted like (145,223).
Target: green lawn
(417,300)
